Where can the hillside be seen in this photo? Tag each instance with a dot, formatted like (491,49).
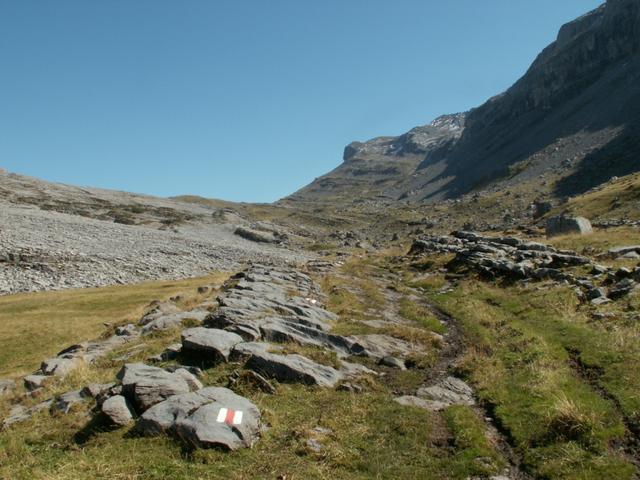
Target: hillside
(573,117)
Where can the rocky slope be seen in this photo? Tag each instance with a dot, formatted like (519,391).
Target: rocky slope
(56,236)
(574,113)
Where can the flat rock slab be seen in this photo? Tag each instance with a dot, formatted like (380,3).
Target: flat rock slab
(447,392)
(293,369)
(379,346)
(146,386)
(213,417)
(60,366)
(209,343)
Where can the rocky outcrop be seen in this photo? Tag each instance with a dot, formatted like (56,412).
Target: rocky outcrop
(568,226)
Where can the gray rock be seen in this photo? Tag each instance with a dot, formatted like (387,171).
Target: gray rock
(293,369)
(60,366)
(209,343)
(174,320)
(34,382)
(64,402)
(392,362)
(594,293)
(117,411)
(94,390)
(413,401)
(126,330)
(146,386)
(449,391)
(199,420)
(620,251)
(6,387)
(562,225)
(378,346)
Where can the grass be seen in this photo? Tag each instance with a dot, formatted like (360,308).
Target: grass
(421,315)
(522,360)
(600,241)
(35,326)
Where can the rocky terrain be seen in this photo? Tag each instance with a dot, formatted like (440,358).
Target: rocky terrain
(55,236)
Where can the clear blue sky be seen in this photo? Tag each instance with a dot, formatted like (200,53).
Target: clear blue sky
(244,99)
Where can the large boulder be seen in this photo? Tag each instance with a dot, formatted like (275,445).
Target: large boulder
(210,344)
(562,225)
(211,417)
(146,386)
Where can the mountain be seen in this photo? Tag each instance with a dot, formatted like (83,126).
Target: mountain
(573,117)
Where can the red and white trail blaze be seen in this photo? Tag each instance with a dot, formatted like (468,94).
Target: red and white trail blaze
(230,417)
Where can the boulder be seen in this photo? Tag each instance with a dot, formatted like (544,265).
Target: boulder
(146,386)
(257,236)
(562,225)
(211,417)
(209,343)
(117,411)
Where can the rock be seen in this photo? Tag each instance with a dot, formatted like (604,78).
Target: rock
(293,368)
(594,293)
(257,236)
(622,288)
(209,343)
(630,256)
(211,417)
(146,386)
(173,320)
(94,390)
(170,353)
(620,251)
(60,366)
(190,378)
(34,382)
(20,413)
(126,330)
(600,300)
(117,411)
(6,387)
(64,402)
(392,362)
(562,225)
(378,346)
(449,391)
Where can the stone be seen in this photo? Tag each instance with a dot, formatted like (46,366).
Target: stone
(60,366)
(173,320)
(6,387)
(413,401)
(293,369)
(126,330)
(449,391)
(117,411)
(146,386)
(190,378)
(213,417)
(622,288)
(34,382)
(378,346)
(594,293)
(392,362)
(209,343)
(620,251)
(20,413)
(65,402)
(563,225)
(94,390)
(257,236)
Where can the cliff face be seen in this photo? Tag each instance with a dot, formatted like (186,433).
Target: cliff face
(580,99)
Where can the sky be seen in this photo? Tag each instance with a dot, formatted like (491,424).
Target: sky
(244,100)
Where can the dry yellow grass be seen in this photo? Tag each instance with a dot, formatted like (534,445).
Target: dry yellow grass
(34,326)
